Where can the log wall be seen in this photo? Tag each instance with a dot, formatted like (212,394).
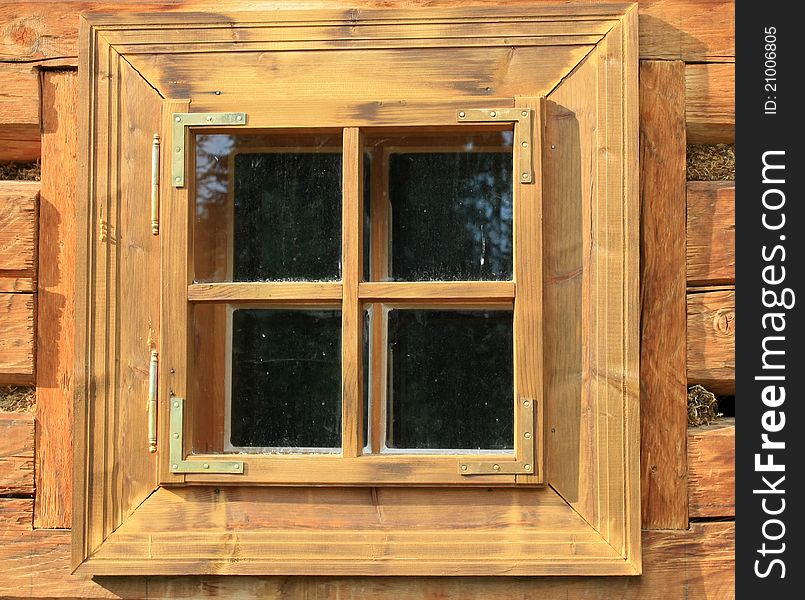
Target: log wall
(687,90)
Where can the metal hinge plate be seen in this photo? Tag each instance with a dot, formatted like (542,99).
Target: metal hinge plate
(181,121)
(522,119)
(178,463)
(524,465)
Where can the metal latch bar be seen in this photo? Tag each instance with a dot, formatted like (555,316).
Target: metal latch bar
(155,185)
(152,402)
(524,465)
(181,121)
(522,119)
(178,463)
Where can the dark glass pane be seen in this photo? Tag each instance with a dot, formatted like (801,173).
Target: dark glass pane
(450,380)
(286,378)
(268,207)
(451,206)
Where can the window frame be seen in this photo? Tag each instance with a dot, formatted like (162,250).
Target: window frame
(130,509)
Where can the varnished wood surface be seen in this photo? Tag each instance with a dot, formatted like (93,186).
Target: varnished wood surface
(18,323)
(710,103)
(56,293)
(711,466)
(662,367)
(710,233)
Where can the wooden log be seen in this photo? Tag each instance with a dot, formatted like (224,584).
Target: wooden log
(54,357)
(19,94)
(16,514)
(16,454)
(17,314)
(710,103)
(711,469)
(697,564)
(19,143)
(711,340)
(669,29)
(711,232)
(662,360)
(18,206)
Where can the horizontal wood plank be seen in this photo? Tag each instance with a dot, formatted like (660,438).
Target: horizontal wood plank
(710,103)
(697,564)
(442,290)
(18,220)
(669,29)
(711,340)
(711,232)
(20,143)
(16,514)
(711,469)
(19,94)
(302,292)
(17,314)
(16,454)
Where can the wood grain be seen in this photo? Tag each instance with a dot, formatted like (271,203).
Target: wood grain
(662,365)
(19,95)
(711,340)
(16,454)
(56,297)
(18,217)
(19,143)
(698,564)
(16,514)
(710,103)
(17,322)
(711,469)
(669,29)
(710,232)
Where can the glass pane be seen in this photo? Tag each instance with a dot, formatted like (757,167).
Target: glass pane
(286,379)
(450,380)
(450,202)
(268,207)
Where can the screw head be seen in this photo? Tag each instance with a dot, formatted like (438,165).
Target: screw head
(178,149)
(206,465)
(527,435)
(239,118)
(178,119)
(524,113)
(236,466)
(175,436)
(463,467)
(525,144)
(175,467)
(525,175)
(526,403)
(209,118)
(462,114)
(176,405)
(496,467)
(178,180)
(527,467)
(492,113)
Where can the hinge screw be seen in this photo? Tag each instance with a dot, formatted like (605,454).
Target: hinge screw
(526,403)
(206,466)
(175,405)
(496,467)
(209,118)
(175,436)
(527,435)
(524,113)
(175,467)
(236,466)
(178,119)
(462,114)
(463,467)
(525,144)
(493,114)
(178,180)
(239,118)
(527,467)
(525,175)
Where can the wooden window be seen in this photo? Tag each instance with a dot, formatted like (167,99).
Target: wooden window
(378,298)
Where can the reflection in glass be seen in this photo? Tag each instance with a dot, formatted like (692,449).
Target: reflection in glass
(450,380)
(286,379)
(450,198)
(268,207)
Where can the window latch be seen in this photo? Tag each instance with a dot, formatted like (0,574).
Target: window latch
(524,465)
(523,124)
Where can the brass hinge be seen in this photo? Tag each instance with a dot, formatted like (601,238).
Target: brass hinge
(524,465)
(522,119)
(155,185)
(152,402)
(181,121)
(178,463)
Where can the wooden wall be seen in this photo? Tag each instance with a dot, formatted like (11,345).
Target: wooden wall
(688,273)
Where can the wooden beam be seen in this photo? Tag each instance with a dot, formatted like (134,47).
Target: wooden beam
(669,29)
(17,313)
(711,469)
(18,204)
(16,454)
(694,564)
(663,405)
(711,340)
(16,514)
(19,143)
(54,358)
(711,232)
(710,103)
(19,94)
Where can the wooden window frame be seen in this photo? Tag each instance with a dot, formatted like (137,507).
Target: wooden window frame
(131,510)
